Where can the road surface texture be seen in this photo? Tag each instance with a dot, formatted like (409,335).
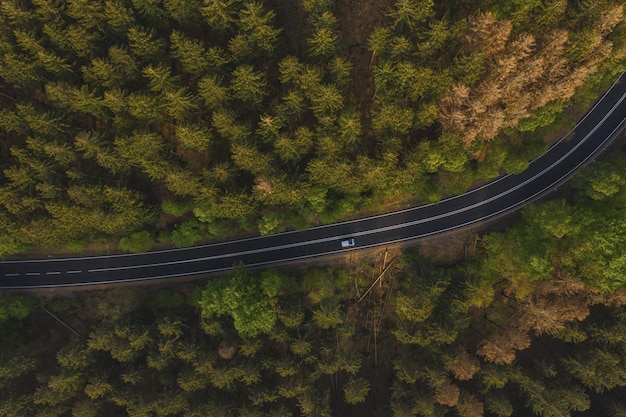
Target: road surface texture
(595,131)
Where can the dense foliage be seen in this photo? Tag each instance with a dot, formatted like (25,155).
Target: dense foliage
(176,120)
(142,120)
(532,324)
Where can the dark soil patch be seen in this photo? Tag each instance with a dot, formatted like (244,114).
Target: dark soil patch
(355,21)
(291,17)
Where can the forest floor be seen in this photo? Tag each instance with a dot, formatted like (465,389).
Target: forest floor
(355,20)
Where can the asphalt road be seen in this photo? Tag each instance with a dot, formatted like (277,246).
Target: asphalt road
(603,123)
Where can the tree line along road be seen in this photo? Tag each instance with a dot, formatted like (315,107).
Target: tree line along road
(593,133)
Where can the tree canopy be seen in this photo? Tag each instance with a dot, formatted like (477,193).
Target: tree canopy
(498,333)
(260,117)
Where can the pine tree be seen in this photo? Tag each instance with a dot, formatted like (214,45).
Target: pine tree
(97,387)
(499,405)
(255,23)
(184,12)
(190,52)
(145,45)
(248,85)
(146,150)
(213,92)
(180,103)
(326,101)
(146,108)
(598,369)
(220,15)
(323,43)
(409,13)
(119,17)
(356,390)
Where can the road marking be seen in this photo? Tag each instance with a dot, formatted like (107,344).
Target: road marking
(532,197)
(412,223)
(11,275)
(468,208)
(53,273)
(76,271)
(483,202)
(33,273)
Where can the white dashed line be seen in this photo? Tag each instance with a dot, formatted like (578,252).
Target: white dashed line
(11,275)
(53,273)
(74,272)
(33,273)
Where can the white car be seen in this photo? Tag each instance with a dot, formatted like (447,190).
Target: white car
(347,243)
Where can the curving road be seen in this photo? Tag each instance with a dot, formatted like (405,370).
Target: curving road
(603,123)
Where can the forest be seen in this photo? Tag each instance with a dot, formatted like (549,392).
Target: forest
(531,321)
(132,124)
(127,125)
